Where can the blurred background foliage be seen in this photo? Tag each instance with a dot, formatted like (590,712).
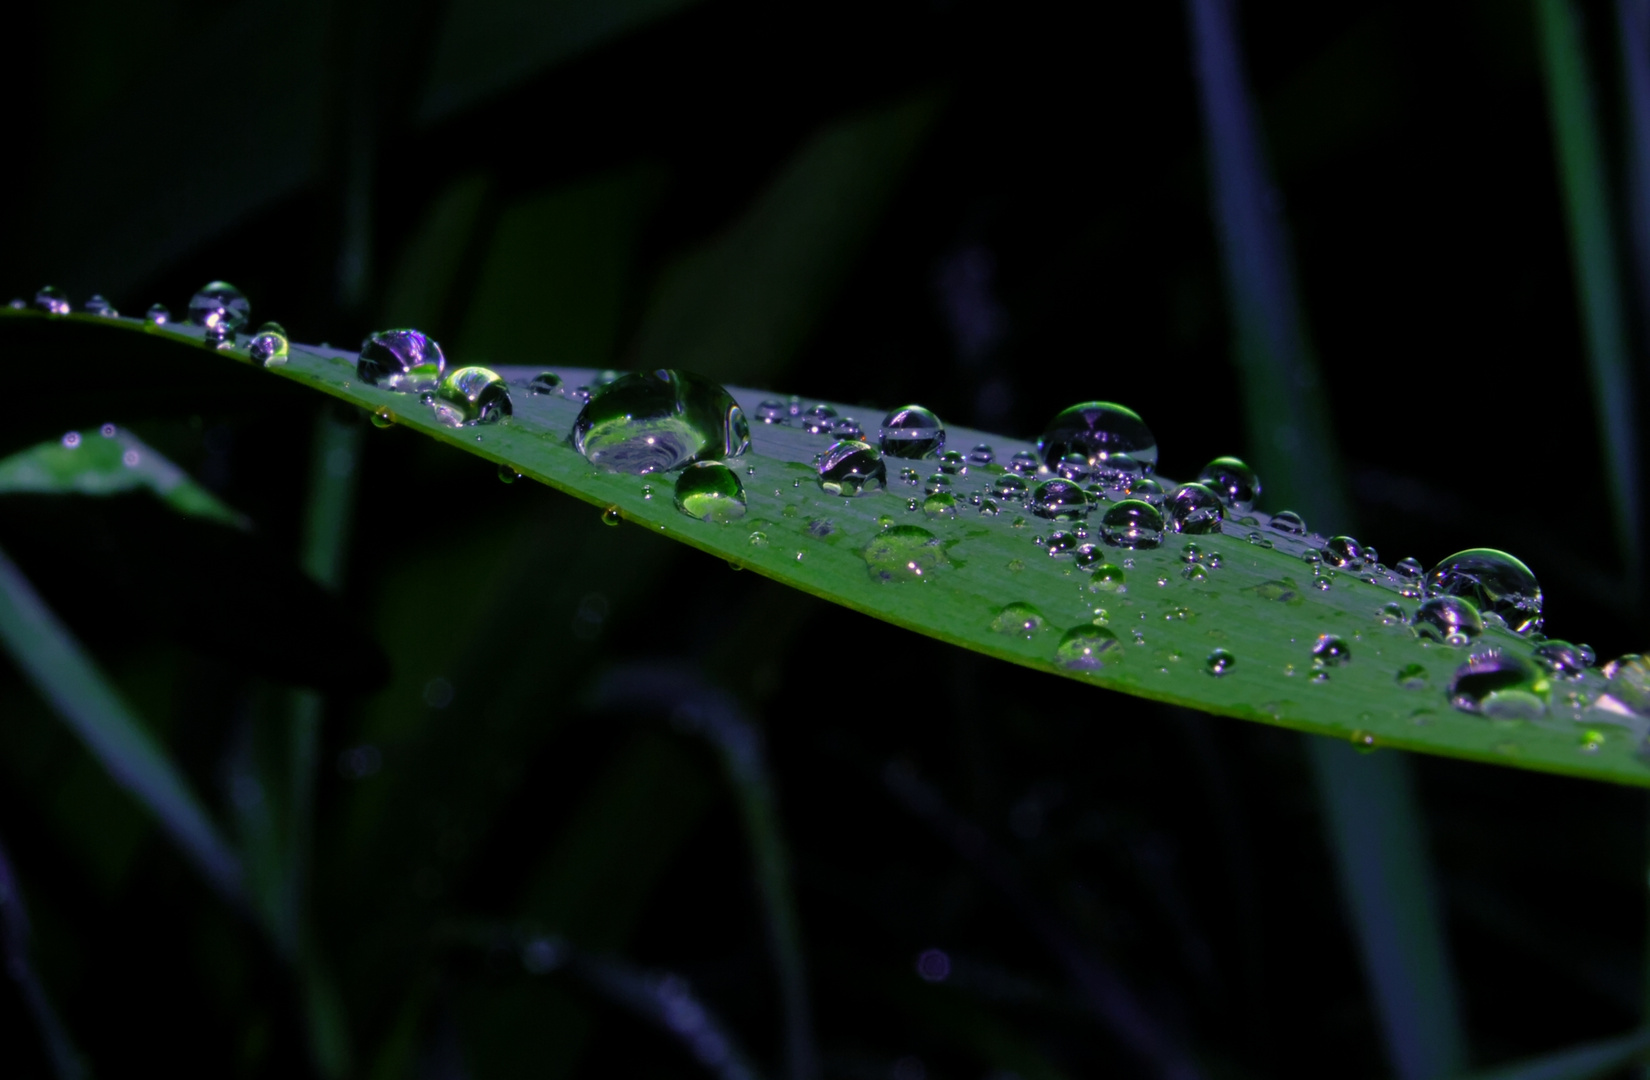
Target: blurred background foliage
(994,209)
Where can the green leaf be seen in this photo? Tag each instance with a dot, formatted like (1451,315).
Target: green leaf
(109,462)
(1257,603)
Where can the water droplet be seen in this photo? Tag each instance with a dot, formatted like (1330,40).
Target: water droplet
(1019,619)
(1392,614)
(610,516)
(1062,543)
(157,315)
(545,382)
(1194,573)
(1407,568)
(1412,677)
(1231,479)
(1195,509)
(850,468)
(710,491)
(655,421)
(1119,472)
(1131,524)
(1560,658)
(758,539)
(847,428)
(383,418)
(507,475)
(97,305)
(1024,462)
(952,462)
(1095,430)
(982,454)
(220,309)
(268,346)
(1073,467)
(1086,648)
(817,420)
(772,412)
(1449,619)
(936,483)
(405,360)
(1330,651)
(52,301)
(1496,685)
(1343,551)
(903,553)
(912,431)
(1591,741)
(1495,582)
(1321,584)
(1148,490)
(471,395)
(1629,684)
(1059,500)
(1009,488)
(1289,523)
(1284,591)
(940,504)
(1219,662)
(1362,741)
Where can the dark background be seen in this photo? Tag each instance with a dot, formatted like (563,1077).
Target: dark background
(995,210)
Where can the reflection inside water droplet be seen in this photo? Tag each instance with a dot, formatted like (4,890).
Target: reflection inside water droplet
(656,421)
(471,395)
(911,431)
(1019,619)
(405,360)
(1087,648)
(710,491)
(903,553)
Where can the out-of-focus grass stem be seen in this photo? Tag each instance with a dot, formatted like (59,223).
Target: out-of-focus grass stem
(65,1060)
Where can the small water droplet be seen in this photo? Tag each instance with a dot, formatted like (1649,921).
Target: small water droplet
(982,454)
(383,418)
(656,421)
(758,539)
(545,382)
(1087,648)
(936,483)
(1321,584)
(1362,741)
(1560,658)
(1019,619)
(97,305)
(1495,582)
(1448,619)
(772,412)
(1059,500)
(405,360)
(1131,524)
(1009,488)
(1219,662)
(1407,568)
(507,475)
(847,427)
(1330,651)
(710,491)
(1412,677)
(1061,543)
(1259,541)
(471,395)
(52,301)
(940,504)
(903,553)
(1024,462)
(220,309)
(1289,523)
(268,346)
(1095,430)
(1392,614)
(1232,480)
(107,431)
(1195,509)
(817,420)
(849,468)
(71,439)
(157,315)
(911,431)
(1497,685)
(1073,467)
(610,516)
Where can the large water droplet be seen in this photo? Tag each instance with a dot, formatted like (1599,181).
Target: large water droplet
(1449,619)
(406,360)
(710,491)
(471,395)
(1495,582)
(269,345)
(1148,490)
(655,421)
(1195,509)
(1231,479)
(903,553)
(97,305)
(851,468)
(1219,662)
(1019,619)
(1343,551)
(1059,500)
(1086,648)
(1132,524)
(1096,430)
(912,431)
(220,308)
(1561,658)
(1496,685)
(52,301)
(1119,472)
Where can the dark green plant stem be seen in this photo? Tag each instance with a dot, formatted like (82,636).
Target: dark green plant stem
(1584,1062)
(1113,1002)
(53,661)
(65,1060)
(714,715)
(1374,824)
(1580,160)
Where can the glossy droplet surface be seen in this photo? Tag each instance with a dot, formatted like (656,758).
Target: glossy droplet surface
(472,395)
(710,491)
(1560,658)
(1329,651)
(52,301)
(1496,685)
(940,504)
(1132,523)
(655,421)
(1024,462)
(97,305)
(982,454)
(1495,582)
(911,431)
(1343,551)
(405,359)
(817,420)
(1448,619)
(268,346)
(1289,523)
(1059,500)
(220,308)
(1196,510)
(1086,648)
(850,468)
(157,315)
(545,382)
(1629,683)
(1009,488)
(1407,568)
(1232,480)
(1019,619)
(1095,430)
(1148,490)
(1219,662)
(1118,472)
(903,553)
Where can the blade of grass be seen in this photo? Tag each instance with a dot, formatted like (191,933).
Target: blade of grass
(1580,161)
(66,1061)
(1373,821)
(1576,1063)
(714,715)
(66,677)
